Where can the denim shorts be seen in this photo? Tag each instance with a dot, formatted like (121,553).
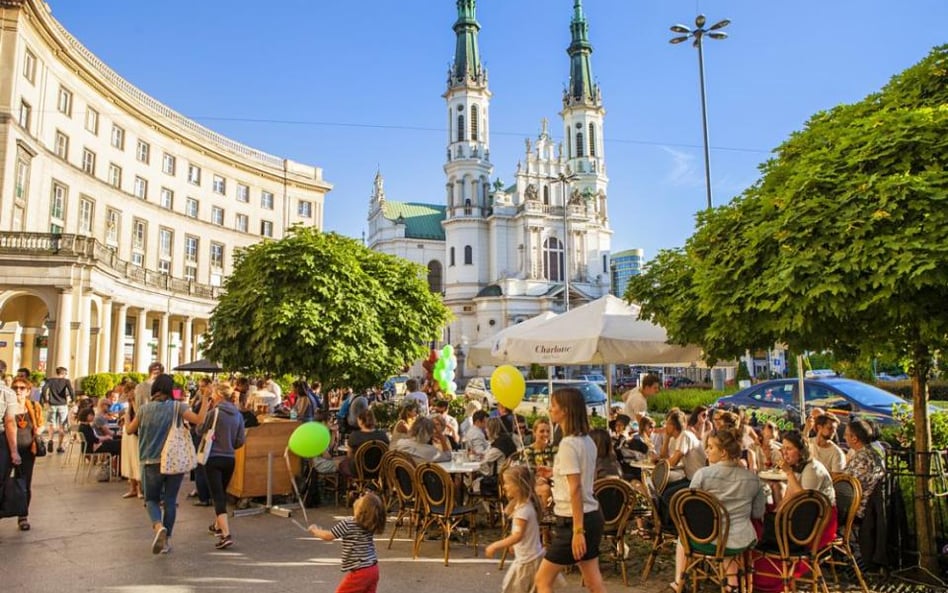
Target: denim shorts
(58,415)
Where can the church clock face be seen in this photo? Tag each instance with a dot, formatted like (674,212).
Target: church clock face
(579,125)
(460,107)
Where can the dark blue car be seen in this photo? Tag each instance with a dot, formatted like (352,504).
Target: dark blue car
(844,398)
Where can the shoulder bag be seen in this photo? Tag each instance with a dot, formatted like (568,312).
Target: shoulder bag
(207,442)
(13,502)
(177,454)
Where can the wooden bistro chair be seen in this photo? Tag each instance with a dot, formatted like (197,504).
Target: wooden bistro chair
(615,497)
(660,477)
(703,525)
(848,498)
(401,480)
(798,526)
(659,535)
(367,468)
(437,492)
(89,460)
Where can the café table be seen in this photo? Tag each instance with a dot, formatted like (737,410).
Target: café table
(460,467)
(772,475)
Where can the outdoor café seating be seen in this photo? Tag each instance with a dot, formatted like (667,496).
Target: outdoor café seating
(400,471)
(792,556)
(437,492)
(615,497)
(839,551)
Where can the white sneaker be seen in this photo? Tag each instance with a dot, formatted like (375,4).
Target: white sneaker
(160,542)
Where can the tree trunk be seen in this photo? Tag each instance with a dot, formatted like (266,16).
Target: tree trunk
(922,503)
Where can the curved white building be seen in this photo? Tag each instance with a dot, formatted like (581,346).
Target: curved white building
(118,216)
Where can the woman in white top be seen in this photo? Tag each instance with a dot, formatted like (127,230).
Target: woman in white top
(579,521)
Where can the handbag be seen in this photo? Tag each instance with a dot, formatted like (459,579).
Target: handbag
(207,441)
(177,454)
(39,442)
(13,498)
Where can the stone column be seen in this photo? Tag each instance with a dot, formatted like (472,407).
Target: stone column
(84,335)
(104,364)
(142,351)
(187,348)
(118,346)
(62,337)
(28,352)
(164,339)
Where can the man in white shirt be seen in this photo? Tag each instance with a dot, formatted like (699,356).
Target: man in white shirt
(636,404)
(451,429)
(824,449)
(475,438)
(419,396)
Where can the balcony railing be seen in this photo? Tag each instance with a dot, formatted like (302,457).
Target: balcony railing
(90,250)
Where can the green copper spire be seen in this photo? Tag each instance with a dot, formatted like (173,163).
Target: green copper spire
(581,88)
(466,69)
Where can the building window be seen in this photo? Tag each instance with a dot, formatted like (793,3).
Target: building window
(451,257)
(64,101)
(118,137)
(435,283)
(57,203)
(56,229)
(166,199)
(88,161)
(217,215)
(266,228)
(468,255)
(242,223)
(139,233)
(92,121)
(553,260)
(143,152)
(191,244)
(474,123)
(592,139)
(460,128)
(305,209)
(22,179)
(86,209)
(115,176)
(141,188)
(219,185)
(191,208)
(62,145)
(194,174)
(243,193)
(266,200)
(190,273)
(113,220)
(165,249)
(579,144)
(167,164)
(29,66)
(217,255)
(25,115)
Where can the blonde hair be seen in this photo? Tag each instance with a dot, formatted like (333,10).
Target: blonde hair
(523,478)
(226,392)
(370,513)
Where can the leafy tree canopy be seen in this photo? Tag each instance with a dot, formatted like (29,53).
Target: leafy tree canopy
(323,305)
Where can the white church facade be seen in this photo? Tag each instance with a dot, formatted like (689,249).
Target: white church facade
(500,255)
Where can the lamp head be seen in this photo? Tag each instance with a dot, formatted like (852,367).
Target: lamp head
(700,20)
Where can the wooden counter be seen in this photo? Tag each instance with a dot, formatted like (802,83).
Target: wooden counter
(250,468)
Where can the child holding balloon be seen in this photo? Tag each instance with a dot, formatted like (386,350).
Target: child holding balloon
(359,557)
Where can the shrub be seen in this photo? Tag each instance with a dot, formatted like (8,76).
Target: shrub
(902,434)
(386,414)
(686,399)
(937,390)
(742,373)
(97,385)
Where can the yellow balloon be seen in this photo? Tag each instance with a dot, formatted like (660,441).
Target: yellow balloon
(508,386)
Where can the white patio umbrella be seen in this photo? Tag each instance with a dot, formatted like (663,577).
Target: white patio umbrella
(481,353)
(605,331)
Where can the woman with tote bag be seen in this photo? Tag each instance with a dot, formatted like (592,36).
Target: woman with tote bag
(160,428)
(223,431)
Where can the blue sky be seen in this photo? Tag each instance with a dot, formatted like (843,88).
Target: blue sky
(356,86)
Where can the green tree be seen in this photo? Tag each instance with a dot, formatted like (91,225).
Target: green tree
(842,245)
(323,305)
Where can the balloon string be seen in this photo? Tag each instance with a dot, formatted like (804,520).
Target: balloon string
(296,490)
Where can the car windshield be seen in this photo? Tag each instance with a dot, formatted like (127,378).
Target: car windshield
(867,395)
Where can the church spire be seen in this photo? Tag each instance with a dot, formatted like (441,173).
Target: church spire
(466,69)
(581,88)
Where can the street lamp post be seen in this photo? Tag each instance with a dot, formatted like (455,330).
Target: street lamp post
(698,33)
(565,179)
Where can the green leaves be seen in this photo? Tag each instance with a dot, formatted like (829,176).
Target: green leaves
(323,305)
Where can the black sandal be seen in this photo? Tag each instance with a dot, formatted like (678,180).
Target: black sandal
(23,523)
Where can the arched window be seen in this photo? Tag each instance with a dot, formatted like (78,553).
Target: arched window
(467,208)
(553,260)
(546,195)
(460,128)
(435,282)
(474,118)
(451,257)
(468,255)
(592,139)
(579,144)
(569,145)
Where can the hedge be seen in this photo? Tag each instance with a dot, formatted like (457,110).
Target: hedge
(937,390)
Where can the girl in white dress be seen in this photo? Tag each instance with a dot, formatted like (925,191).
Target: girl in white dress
(524,537)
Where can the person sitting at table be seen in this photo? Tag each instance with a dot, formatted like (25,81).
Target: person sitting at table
(96,442)
(501,447)
(406,417)
(475,439)
(822,446)
(469,409)
(768,449)
(367,432)
(739,491)
(865,464)
(418,442)
(451,429)
(606,463)
(541,451)
(104,422)
(680,447)
(439,439)
(699,424)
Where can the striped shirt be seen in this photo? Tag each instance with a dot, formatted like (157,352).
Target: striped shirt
(358,545)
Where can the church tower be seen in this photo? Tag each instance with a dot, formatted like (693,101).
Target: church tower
(467,169)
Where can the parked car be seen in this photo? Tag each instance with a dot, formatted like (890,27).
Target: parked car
(395,386)
(672,381)
(892,377)
(596,378)
(536,400)
(844,398)
(624,384)
(478,388)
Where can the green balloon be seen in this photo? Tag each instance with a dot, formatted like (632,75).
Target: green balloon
(309,440)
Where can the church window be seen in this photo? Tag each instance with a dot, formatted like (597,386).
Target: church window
(579,144)
(460,128)
(451,257)
(467,208)
(474,116)
(592,139)
(468,255)
(546,195)
(553,260)
(569,142)
(435,276)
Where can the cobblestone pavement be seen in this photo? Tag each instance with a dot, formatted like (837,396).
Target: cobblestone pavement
(86,537)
